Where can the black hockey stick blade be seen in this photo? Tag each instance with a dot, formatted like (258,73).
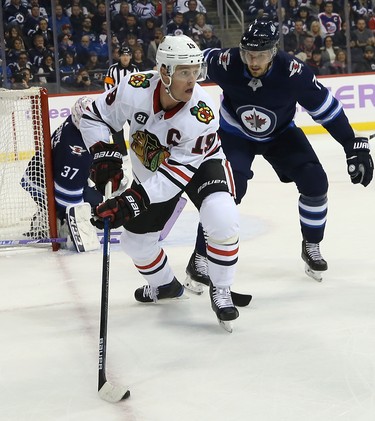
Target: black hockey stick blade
(113,393)
(241,300)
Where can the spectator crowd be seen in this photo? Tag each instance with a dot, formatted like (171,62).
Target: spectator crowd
(312,30)
(315,31)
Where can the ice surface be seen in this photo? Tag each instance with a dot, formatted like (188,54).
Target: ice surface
(302,351)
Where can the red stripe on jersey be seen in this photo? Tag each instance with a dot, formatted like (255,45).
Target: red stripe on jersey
(222,252)
(152,264)
(156,99)
(176,171)
(230,176)
(158,107)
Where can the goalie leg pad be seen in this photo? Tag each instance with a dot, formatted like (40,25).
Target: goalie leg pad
(82,233)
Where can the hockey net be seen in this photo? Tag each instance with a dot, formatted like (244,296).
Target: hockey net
(27,207)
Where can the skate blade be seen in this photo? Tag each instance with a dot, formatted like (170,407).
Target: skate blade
(182,297)
(226,325)
(193,286)
(314,274)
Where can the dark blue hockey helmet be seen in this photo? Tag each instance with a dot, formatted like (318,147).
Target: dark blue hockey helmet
(261,35)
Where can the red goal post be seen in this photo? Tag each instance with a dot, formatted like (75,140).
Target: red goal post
(27,207)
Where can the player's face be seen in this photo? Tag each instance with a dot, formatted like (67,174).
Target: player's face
(257,61)
(183,81)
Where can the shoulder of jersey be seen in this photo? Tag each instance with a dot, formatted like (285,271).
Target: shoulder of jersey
(287,65)
(202,108)
(142,80)
(226,58)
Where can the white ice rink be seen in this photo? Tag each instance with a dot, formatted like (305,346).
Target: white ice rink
(302,351)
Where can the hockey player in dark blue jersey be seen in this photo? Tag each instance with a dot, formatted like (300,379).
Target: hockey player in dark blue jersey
(71,167)
(261,87)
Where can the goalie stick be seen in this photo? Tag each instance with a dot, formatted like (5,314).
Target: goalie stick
(26,242)
(107,391)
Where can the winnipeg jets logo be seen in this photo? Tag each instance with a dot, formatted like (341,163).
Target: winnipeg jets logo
(255,84)
(331,27)
(77,150)
(224,59)
(255,120)
(295,68)
(258,121)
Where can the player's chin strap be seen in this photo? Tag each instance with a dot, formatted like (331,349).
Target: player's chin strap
(168,88)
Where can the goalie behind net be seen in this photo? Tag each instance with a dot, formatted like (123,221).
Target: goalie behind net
(26,211)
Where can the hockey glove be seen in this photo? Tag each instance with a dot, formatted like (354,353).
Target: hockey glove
(106,166)
(359,161)
(119,209)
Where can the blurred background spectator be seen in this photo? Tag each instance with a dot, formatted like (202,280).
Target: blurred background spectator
(367,63)
(82,33)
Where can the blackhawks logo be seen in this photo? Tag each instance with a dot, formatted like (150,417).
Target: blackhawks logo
(140,80)
(148,149)
(203,112)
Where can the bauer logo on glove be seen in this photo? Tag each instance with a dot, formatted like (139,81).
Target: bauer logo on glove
(119,209)
(108,154)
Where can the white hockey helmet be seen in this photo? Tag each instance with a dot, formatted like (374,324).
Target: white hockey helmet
(78,109)
(179,50)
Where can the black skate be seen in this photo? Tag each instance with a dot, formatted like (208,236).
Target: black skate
(222,305)
(148,294)
(197,274)
(315,264)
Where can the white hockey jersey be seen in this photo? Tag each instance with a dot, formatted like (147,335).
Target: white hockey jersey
(166,147)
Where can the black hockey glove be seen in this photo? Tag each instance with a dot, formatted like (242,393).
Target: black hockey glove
(106,166)
(359,161)
(119,209)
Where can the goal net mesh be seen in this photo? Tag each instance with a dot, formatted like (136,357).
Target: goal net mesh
(23,191)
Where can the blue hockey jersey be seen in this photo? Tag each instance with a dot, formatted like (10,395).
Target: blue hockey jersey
(258,109)
(71,164)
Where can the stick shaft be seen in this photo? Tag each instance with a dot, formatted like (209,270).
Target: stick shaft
(104,297)
(30,241)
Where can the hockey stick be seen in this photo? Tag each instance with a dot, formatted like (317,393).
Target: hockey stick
(241,300)
(10,243)
(106,390)
(37,241)
(173,218)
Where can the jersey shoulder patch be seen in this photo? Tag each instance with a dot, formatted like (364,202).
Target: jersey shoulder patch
(295,67)
(202,112)
(140,80)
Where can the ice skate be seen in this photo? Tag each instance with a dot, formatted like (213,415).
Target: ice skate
(222,305)
(315,264)
(197,277)
(149,294)
(197,274)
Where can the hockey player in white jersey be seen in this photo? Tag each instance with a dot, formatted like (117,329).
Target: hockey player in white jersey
(174,148)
